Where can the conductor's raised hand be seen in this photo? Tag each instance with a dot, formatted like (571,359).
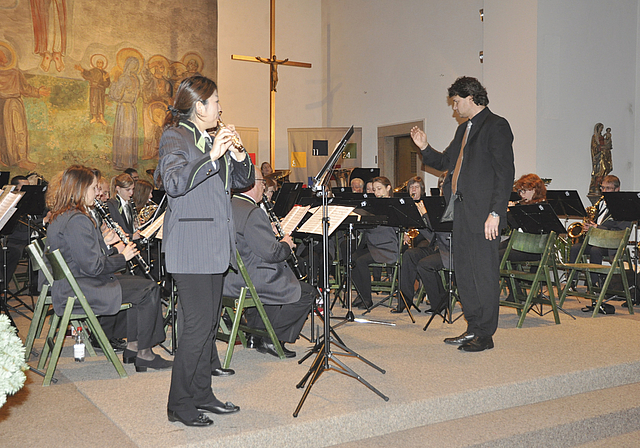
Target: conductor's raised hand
(419,137)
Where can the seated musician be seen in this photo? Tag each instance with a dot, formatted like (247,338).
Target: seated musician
(602,220)
(120,206)
(357,185)
(287,301)
(378,245)
(142,195)
(368,187)
(271,186)
(422,246)
(532,191)
(94,266)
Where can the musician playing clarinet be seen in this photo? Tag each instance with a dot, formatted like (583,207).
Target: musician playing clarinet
(287,300)
(198,172)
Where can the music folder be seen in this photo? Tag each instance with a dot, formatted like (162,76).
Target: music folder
(623,205)
(566,203)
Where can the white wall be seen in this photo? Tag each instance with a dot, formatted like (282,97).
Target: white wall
(243,28)
(587,73)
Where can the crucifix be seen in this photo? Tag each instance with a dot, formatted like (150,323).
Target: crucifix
(273,63)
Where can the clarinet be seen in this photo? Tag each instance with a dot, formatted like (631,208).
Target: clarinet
(106,218)
(295,267)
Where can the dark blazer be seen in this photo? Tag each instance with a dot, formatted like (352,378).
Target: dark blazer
(487,172)
(117,214)
(92,264)
(198,233)
(382,242)
(263,255)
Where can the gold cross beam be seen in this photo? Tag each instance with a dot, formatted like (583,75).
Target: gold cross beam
(273,63)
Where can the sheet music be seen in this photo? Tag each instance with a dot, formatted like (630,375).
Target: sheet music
(8,205)
(153,228)
(293,218)
(337,214)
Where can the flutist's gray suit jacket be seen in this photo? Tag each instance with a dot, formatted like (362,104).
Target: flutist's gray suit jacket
(198,232)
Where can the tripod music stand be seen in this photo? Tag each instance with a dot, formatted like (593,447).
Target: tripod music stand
(8,207)
(325,357)
(625,206)
(436,206)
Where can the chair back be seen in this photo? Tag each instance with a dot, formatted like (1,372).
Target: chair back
(37,257)
(606,239)
(245,276)
(60,271)
(529,242)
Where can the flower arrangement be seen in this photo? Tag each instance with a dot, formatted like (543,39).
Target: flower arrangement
(12,363)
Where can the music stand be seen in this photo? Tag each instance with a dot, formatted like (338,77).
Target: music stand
(402,213)
(4,178)
(365,174)
(288,196)
(436,206)
(8,207)
(625,206)
(566,203)
(325,355)
(535,218)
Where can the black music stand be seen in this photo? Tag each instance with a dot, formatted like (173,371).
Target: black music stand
(322,361)
(566,203)
(365,174)
(535,218)
(288,196)
(402,213)
(625,206)
(436,206)
(7,226)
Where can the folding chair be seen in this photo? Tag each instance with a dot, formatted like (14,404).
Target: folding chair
(59,324)
(543,245)
(605,239)
(235,307)
(390,287)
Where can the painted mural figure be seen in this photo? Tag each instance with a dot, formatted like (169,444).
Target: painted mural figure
(156,92)
(14,139)
(125,92)
(50,31)
(99,81)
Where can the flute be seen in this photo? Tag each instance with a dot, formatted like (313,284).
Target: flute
(234,138)
(106,218)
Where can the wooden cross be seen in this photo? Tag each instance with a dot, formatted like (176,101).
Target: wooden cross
(273,63)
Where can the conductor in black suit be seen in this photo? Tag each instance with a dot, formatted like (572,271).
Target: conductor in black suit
(480,162)
(287,301)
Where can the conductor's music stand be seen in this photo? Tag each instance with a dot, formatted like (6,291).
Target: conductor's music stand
(625,206)
(325,357)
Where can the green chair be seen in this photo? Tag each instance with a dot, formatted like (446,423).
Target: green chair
(60,270)
(43,303)
(605,239)
(542,245)
(391,286)
(235,306)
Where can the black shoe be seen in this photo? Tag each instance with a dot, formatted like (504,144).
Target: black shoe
(223,372)
(269,348)
(200,420)
(129,356)
(253,341)
(158,362)
(118,344)
(226,408)
(397,310)
(477,344)
(463,338)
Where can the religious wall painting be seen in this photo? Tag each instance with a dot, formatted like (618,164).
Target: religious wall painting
(14,140)
(99,81)
(157,90)
(49,19)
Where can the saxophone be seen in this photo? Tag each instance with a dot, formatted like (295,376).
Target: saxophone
(577,229)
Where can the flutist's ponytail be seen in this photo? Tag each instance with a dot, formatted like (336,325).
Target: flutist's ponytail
(190,91)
